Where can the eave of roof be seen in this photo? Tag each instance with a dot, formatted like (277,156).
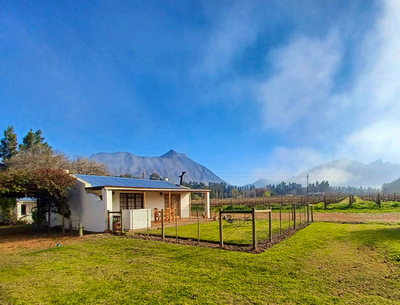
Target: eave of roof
(148,189)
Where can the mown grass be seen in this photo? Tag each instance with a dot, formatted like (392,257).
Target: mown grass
(322,264)
(234,233)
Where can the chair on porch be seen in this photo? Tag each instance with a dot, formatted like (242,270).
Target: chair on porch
(167,215)
(157,215)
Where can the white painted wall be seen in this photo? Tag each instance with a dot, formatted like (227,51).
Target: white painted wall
(18,210)
(136,219)
(185,205)
(87,208)
(154,200)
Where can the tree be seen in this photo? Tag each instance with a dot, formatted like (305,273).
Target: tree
(84,166)
(155,176)
(33,139)
(127,175)
(6,207)
(8,147)
(50,187)
(39,156)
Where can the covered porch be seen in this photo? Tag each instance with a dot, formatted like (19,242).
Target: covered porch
(142,208)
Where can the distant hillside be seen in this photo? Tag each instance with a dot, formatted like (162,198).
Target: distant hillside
(260,183)
(346,172)
(170,165)
(391,187)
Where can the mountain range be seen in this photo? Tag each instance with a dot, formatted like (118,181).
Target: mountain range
(342,172)
(170,165)
(345,172)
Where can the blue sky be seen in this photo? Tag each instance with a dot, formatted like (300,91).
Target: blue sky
(250,89)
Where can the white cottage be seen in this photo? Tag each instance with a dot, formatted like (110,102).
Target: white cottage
(23,209)
(95,200)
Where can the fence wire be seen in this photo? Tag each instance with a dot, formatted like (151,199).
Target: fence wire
(235,227)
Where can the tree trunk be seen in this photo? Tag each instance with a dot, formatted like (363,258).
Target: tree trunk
(48,217)
(63,224)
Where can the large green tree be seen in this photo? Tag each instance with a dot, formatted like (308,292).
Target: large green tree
(33,139)
(38,171)
(9,144)
(50,187)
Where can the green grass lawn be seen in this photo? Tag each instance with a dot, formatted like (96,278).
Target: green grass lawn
(321,264)
(234,233)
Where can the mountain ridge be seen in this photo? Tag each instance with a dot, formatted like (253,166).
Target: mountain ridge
(171,165)
(346,172)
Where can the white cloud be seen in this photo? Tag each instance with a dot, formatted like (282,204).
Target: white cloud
(370,110)
(376,141)
(377,92)
(304,72)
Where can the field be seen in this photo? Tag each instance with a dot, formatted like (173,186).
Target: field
(359,206)
(323,263)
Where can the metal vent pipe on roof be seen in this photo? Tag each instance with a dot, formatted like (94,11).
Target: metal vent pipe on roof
(181,176)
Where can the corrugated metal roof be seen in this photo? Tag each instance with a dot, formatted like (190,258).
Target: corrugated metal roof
(100,181)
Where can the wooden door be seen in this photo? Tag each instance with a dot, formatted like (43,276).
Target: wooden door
(166,202)
(176,204)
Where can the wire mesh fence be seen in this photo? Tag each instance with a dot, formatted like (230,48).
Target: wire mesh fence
(236,227)
(250,227)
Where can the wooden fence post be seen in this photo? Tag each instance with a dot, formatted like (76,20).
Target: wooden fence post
(294,216)
(254,228)
(270,225)
(122,222)
(290,216)
(308,213)
(312,213)
(280,220)
(198,227)
(300,214)
(176,223)
(221,235)
(162,225)
(325,205)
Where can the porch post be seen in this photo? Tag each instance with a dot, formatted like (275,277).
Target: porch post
(170,207)
(144,200)
(207,203)
(108,205)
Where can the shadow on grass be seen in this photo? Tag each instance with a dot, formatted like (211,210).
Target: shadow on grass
(20,229)
(375,236)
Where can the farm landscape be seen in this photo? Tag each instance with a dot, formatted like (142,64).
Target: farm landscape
(325,262)
(199,152)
